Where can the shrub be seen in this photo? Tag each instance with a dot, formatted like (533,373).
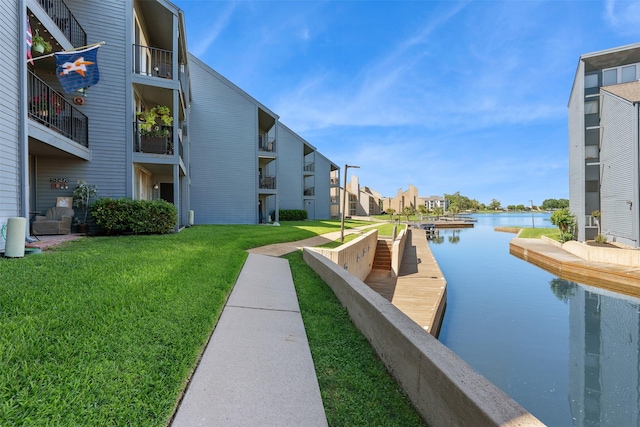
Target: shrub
(565,236)
(600,238)
(117,216)
(292,214)
(564,219)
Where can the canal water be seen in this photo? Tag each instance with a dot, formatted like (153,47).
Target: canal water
(567,352)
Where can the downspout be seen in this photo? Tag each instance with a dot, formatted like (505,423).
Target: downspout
(23,134)
(636,184)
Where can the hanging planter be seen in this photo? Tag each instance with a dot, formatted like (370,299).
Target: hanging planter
(39,44)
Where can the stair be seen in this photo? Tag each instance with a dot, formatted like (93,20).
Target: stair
(382,260)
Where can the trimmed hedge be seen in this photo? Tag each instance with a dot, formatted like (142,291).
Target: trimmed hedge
(117,216)
(292,214)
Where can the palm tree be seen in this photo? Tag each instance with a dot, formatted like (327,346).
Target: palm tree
(438,212)
(407,211)
(391,211)
(422,209)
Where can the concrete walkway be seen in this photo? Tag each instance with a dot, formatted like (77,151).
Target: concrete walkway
(257,369)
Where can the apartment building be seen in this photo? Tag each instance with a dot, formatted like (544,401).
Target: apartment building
(362,200)
(603,144)
(433,202)
(226,165)
(403,199)
(52,138)
(248,164)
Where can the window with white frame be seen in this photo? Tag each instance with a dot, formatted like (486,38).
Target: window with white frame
(622,74)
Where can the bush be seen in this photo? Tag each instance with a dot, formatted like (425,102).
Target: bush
(292,214)
(600,238)
(117,216)
(564,219)
(565,236)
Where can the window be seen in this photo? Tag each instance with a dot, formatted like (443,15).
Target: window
(591,186)
(591,152)
(591,107)
(590,80)
(610,77)
(628,73)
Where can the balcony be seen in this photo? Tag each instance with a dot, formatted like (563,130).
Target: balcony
(159,140)
(334,199)
(51,109)
(266,143)
(334,181)
(65,21)
(268,182)
(154,62)
(309,167)
(309,191)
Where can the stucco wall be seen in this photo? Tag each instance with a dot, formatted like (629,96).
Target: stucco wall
(617,256)
(397,251)
(355,256)
(443,388)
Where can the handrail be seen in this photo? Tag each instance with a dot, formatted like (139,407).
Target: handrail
(50,108)
(157,141)
(151,61)
(65,21)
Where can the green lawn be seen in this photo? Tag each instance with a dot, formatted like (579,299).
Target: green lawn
(536,233)
(106,330)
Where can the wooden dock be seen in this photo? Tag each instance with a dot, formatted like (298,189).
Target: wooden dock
(420,290)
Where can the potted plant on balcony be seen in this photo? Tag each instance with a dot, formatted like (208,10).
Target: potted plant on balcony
(82,195)
(39,44)
(154,129)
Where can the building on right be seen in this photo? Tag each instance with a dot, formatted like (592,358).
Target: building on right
(604,158)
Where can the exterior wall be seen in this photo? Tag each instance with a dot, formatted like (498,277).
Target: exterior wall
(323,187)
(224,141)
(12,140)
(109,133)
(355,256)
(576,151)
(618,159)
(290,162)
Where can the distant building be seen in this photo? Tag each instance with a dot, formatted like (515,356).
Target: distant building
(362,201)
(433,202)
(403,199)
(603,144)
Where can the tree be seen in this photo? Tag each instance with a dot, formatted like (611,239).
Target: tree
(494,205)
(391,211)
(565,221)
(438,212)
(455,210)
(511,207)
(407,211)
(422,210)
(520,207)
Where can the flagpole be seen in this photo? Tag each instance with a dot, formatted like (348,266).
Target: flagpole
(69,51)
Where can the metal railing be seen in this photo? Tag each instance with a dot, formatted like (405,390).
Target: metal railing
(334,199)
(65,21)
(268,182)
(309,191)
(334,181)
(266,143)
(50,108)
(309,167)
(151,61)
(159,140)
(590,221)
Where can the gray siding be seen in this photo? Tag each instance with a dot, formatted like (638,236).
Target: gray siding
(223,135)
(576,151)
(323,183)
(11,166)
(108,107)
(618,167)
(290,166)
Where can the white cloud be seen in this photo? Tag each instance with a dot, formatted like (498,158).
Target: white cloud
(200,47)
(623,16)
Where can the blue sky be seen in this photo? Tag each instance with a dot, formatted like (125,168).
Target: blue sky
(448,96)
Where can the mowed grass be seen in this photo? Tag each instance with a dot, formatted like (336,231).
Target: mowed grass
(536,233)
(107,330)
(355,386)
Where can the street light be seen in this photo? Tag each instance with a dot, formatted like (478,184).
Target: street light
(533,224)
(344,199)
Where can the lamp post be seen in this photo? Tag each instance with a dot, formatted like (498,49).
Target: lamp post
(344,200)
(533,224)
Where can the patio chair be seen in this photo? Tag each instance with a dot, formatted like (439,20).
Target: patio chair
(57,220)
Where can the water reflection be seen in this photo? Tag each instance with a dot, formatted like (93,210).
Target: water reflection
(604,358)
(563,289)
(567,352)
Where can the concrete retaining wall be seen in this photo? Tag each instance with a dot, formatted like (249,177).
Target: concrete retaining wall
(397,251)
(441,386)
(355,256)
(616,256)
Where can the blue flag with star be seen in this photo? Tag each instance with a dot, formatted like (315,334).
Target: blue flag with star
(78,69)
